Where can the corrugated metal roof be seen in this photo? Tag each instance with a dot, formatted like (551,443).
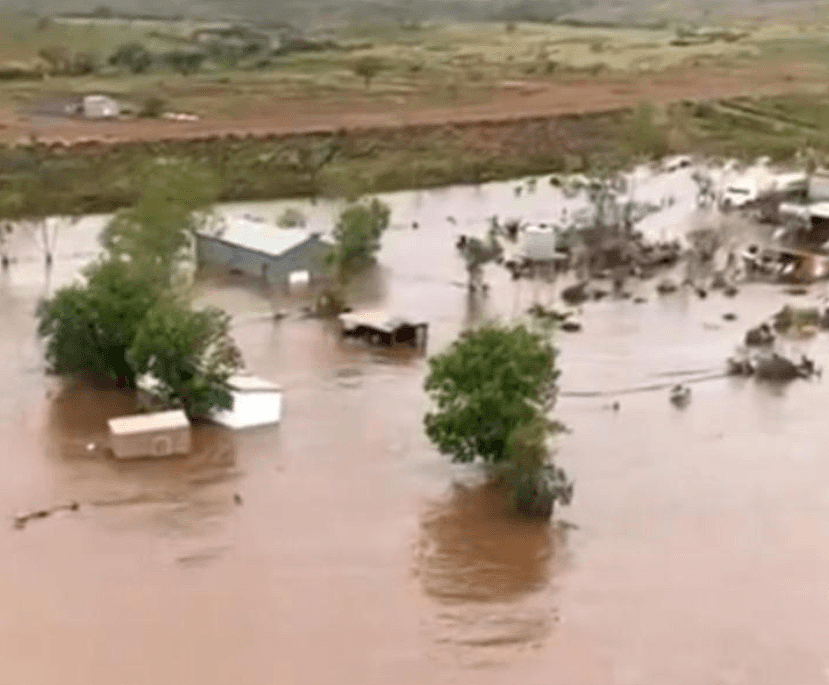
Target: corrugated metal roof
(261,236)
(380,321)
(144,423)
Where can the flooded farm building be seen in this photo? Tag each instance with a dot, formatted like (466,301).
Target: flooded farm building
(265,251)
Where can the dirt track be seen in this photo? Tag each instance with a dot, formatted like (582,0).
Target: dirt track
(525,100)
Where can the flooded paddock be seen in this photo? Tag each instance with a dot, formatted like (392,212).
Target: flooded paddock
(340,548)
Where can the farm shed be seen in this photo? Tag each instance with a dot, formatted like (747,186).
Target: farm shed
(382,328)
(160,434)
(264,251)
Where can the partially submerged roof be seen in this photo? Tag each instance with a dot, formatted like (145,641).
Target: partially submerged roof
(252,384)
(256,402)
(380,321)
(146,423)
(262,237)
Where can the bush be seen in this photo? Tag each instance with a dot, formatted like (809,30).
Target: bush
(152,108)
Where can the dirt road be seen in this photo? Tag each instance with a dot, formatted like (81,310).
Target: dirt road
(527,99)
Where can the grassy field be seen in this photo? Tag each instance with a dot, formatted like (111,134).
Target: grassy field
(433,64)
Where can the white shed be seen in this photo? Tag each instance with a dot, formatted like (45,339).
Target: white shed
(256,402)
(160,434)
(100,107)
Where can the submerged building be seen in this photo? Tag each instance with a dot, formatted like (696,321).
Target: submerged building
(276,255)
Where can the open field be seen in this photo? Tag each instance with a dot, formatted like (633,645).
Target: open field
(443,72)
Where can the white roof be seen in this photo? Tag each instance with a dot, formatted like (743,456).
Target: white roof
(144,423)
(252,384)
(261,236)
(820,209)
(381,321)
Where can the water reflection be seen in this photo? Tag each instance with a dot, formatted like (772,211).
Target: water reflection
(480,564)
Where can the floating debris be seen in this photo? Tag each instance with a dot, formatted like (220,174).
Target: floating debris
(237,499)
(729,316)
(730,291)
(576,294)
(761,336)
(666,287)
(571,326)
(680,396)
(21,519)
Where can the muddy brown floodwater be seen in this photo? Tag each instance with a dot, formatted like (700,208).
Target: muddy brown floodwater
(700,556)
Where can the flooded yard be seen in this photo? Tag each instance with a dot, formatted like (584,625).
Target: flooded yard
(696,550)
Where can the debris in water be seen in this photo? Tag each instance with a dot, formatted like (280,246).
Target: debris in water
(701,293)
(680,396)
(761,336)
(575,294)
(639,300)
(666,287)
(729,316)
(571,326)
(730,291)
(797,291)
(237,499)
(21,519)
(779,368)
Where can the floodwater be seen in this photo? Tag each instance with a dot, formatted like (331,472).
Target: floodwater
(696,550)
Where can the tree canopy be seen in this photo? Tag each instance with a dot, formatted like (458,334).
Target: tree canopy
(490,381)
(191,355)
(493,390)
(129,319)
(357,235)
(89,328)
(155,234)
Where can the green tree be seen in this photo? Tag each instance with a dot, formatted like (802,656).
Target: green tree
(478,253)
(132,56)
(367,68)
(493,391)
(646,138)
(185,62)
(490,381)
(357,234)
(156,233)
(88,328)
(190,354)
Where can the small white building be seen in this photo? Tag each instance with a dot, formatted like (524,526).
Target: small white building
(256,402)
(100,107)
(159,434)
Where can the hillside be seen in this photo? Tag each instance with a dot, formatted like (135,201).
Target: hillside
(381,11)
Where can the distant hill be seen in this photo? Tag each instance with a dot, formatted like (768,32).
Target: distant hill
(338,11)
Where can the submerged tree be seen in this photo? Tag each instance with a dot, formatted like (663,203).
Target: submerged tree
(89,328)
(357,235)
(493,390)
(477,253)
(156,233)
(190,354)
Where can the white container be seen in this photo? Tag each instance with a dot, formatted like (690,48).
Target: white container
(160,434)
